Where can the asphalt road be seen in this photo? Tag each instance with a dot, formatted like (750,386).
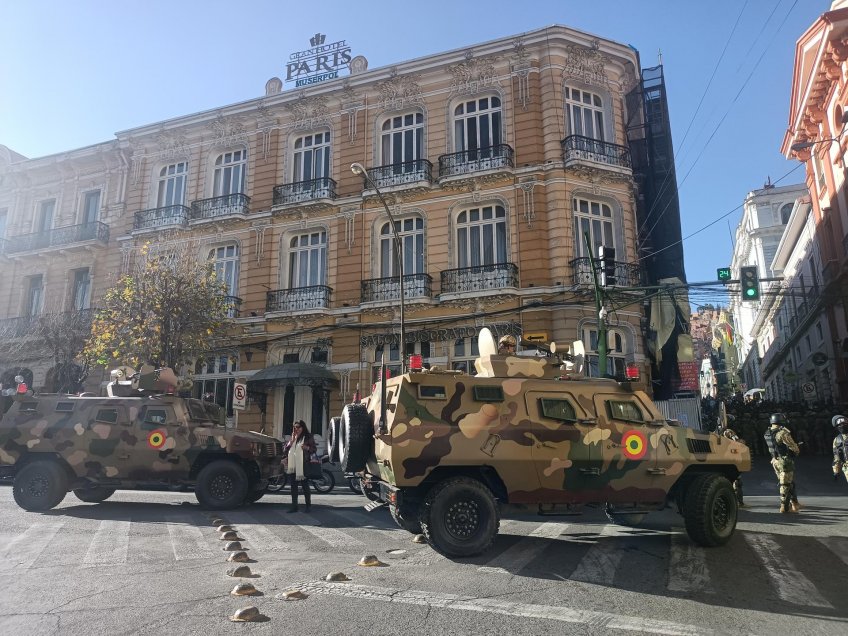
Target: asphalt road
(151,562)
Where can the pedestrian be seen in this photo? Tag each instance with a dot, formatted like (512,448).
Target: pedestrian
(299,450)
(783,450)
(730,434)
(840,446)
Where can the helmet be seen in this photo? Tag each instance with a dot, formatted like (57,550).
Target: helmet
(778,418)
(506,341)
(839,421)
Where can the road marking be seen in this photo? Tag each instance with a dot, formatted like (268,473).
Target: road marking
(518,556)
(109,545)
(313,526)
(599,564)
(187,540)
(505,608)
(837,545)
(256,534)
(687,567)
(792,586)
(367,520)
(22,552)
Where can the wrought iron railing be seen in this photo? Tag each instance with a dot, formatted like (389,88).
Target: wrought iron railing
(468,161)
(167,216)
(233,304)
(58,237)
(400,174)
(626,274)
(480,278)
(66,321)
(217,207)
(580,147)
(382,289)
(298,298)
(17,327)
(301,191)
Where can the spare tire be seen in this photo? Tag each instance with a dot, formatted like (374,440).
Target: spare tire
(356,438)
(333,439)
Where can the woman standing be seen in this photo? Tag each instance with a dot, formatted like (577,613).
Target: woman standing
(299,448)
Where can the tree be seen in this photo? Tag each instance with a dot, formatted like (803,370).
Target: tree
(169,309)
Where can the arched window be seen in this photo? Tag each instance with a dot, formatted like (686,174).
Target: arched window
(585,113)
(229,173)
(786,212)
(172,181)
(402,141)
(477,125)
(307,259)
(594,218)
(411,233)
(311,157)
(481,236)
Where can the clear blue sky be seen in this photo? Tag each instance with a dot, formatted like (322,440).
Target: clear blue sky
(74,73)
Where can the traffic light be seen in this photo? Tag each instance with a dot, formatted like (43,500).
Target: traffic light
(606,256)
(750,282)
(723,274)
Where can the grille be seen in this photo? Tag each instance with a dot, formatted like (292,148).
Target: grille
(273,449)
(699,446)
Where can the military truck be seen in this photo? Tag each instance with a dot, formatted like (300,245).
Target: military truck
(449,452)
(141,435)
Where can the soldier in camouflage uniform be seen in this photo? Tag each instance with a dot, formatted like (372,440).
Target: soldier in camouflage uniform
(840,446)
(783,450)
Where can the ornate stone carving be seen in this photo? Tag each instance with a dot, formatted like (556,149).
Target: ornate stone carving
(309,112)
(587,64)
(172,144)
(400,91)
(521,56)
(528,201)
(351,103)
(598,175)
(228,131)
(473,75)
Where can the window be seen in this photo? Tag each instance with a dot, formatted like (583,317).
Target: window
(65,407)
(488,394)
(465,352)
(432,392)
(172,180)
(4,213)
(225,260)
(477,125)
(616,342)
(585,113)
(82,289)
(214,378)
(627,411)
(481,236)
(107,416)
(411,232)
(229,173)
(90,207)
(593,218)
(785,213)
(392,356)
(35,296)
(402,141)
(312,157)
(307,260)
(44,220)
(154,418)
(291,358)
(557,409)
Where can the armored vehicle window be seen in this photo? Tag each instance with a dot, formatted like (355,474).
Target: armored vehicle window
(488,394)
(196,411)
(28,406)
(154,418)
(627,411)
(556,409)
(431,392)
(65,406)
(110,416)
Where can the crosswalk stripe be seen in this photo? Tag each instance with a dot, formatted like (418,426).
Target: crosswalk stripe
(519,555)
(256,534)
(837,545)
(109,545)
(187,540)
(791,585)
(313,526)
(369,522)
(599,564)
(687,567)
(22,552)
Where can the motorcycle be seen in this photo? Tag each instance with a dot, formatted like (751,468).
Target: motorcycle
(324,484)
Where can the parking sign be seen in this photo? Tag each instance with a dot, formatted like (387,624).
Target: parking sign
(239,396)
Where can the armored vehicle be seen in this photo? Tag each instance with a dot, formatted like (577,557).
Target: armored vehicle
(449,453)
(139,436)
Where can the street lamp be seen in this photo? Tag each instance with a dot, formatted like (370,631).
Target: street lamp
(359,169)
(803,145)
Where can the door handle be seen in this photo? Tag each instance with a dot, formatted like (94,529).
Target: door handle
(123,456)
(590,471)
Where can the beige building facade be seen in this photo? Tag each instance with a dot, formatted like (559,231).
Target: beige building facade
(494,160)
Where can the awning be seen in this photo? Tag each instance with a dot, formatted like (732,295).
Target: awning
(294,374)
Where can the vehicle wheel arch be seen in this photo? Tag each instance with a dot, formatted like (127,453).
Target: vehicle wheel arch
(484,474)
(28,458)
(678,490)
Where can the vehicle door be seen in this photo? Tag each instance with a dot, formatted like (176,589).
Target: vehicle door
(158,455)
(567,451)
(629,456)
(110,442)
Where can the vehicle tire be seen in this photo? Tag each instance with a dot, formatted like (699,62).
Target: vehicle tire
(355,485)
(94,495)
(460,517)
(356,438)
(253,496)
(326,483)
(40,485)
(407,518)
(221,484)
(710,510)
(629,519)
(278,483)
(333,439)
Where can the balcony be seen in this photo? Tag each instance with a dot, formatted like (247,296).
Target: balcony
(492,162)
(233,305)
(407,175)
(17,327)
(170,216)
(298,299)
(415,286)
(60,237)
(313,193)
(584,154)
(480,278)
(626,274)
(227,206)
(47,324)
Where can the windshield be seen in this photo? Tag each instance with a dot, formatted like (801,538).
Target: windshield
(203,411)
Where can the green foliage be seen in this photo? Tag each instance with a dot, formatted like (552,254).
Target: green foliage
(170,309)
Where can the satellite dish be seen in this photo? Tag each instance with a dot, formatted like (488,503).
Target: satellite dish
(552,347)
(486,343)
(578,351)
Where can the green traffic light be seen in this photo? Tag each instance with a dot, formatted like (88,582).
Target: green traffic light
(751,292)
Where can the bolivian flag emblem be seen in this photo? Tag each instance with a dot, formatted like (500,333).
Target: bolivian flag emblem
(635,445)
(156,439)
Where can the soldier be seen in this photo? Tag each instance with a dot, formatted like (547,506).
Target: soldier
(737,484)
(506,346)
(783,451)
(840,446)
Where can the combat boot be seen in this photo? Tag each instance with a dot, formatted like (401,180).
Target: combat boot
(794,507)
(784,508)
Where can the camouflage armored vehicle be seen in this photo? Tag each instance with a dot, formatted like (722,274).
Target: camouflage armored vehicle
(139,436)
(450,452)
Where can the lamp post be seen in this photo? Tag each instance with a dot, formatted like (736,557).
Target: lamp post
(804,145)
(359,169)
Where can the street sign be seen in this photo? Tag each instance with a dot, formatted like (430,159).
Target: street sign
(239,396)
(819,359)
(809,390)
